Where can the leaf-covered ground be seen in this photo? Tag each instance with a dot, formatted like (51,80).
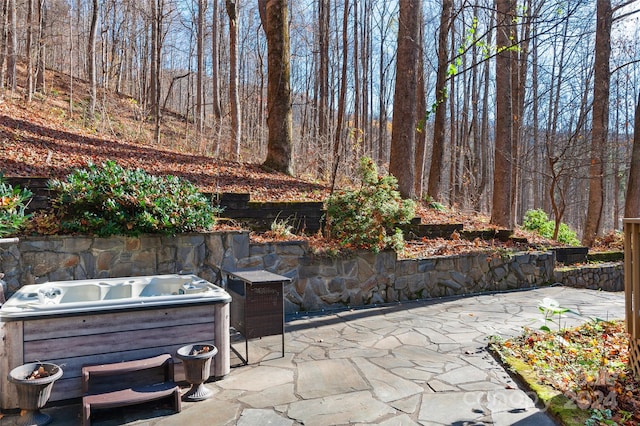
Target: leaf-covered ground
(587,366)
(34,144)
(48,138)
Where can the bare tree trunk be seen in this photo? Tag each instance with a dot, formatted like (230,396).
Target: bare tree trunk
(323,75)
(153,63)
(538,186)
(91,66)
(215,70)
(502,177)
(421,112)
(42,21)
(29,51)
(477,161)
(600,126)
(632,199)
(232,11)
(484,130)
(355,116)
(199,119)
(342,95)
(403,135)
(71,67)
(435,187)
(383,151)
(156,68)
(12,46)
(4,10)
(275,21)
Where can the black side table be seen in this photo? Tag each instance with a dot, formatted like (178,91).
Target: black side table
(257,306)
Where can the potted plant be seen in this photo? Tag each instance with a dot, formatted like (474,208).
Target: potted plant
(34,382)
(196,360)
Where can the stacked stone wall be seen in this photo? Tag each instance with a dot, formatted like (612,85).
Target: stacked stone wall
(600,276)
(60,258)
(317,282)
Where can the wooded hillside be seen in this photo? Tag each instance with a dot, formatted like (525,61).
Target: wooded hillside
(541,91)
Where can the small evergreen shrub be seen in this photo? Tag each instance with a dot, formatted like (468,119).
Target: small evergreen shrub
(13,202)
(367,218)
(538,221)
(433,204)
(110,200)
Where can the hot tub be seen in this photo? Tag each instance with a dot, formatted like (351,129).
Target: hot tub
(73,323)
(73,297)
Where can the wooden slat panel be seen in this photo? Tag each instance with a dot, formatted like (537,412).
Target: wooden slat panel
(73,365)
(114,342)
(51,328)
(223,342)
(66,388)
(628,260)
(634,306)
(10,357)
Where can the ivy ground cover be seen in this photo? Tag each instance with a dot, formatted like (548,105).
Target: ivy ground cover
(581,375)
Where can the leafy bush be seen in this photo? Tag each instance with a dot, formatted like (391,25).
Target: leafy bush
(433,204)
(111,200)
(13,202)
(538,221)
(367,217)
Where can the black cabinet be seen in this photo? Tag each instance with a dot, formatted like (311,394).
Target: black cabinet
(257,306)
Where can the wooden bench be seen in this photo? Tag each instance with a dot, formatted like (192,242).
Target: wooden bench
(128,383)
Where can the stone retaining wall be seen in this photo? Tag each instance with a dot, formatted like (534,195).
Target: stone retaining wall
(601,276)
(371,279)
(317,282)
(59,258)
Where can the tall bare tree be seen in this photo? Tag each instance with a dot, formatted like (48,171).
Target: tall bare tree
(421,111)
(4,42)
(323,72)
(200,71)
(234,97)
(275,21)
(29,51)
(215,60)
(157,29)
(600,116)
(12,45)
(403,135)
(343,94)
(632,203)
(41,53)
(435,188)
(91,58)
(502,176)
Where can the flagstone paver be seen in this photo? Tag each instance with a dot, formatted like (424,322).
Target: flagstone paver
(252,417)
(415,363)
(328,377)
(354,407)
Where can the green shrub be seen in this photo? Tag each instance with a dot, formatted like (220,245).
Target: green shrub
(367,218)
(111,200)
(433,204)
(538,221)
(13,202)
